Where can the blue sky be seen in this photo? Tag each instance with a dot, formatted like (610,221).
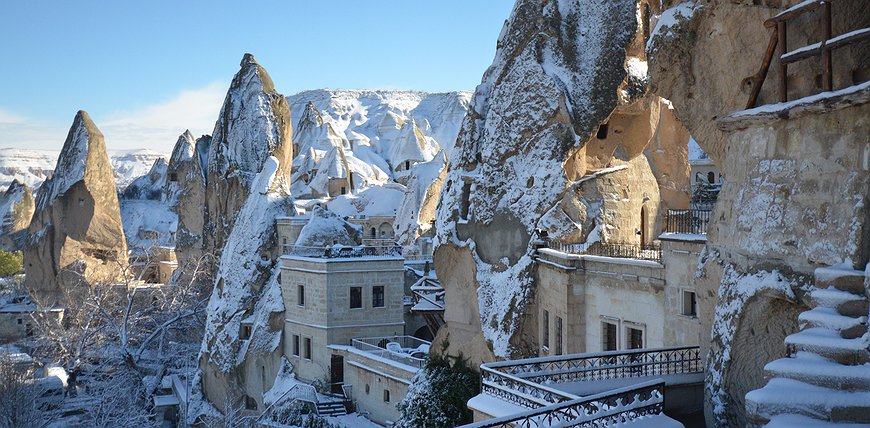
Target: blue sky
(145,70)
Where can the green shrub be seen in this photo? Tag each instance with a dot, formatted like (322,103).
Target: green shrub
(11,263)
(438,394)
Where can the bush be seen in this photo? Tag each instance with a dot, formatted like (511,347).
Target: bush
(438,394)
(11,263)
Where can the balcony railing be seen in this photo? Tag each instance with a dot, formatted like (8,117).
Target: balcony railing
(407,350)
(618,250)
(528,382)
(599,410)
(341,251)
(688,221)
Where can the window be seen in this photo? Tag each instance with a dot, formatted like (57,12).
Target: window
(545,337)
(355,297)
(19,320)
(378,296)
(608,336)
(367,389)
(246,332)
(558,336)
(250,403)
(711,177)
(343,190)
(690,308)
(634,338)
(465,200)
(296,345)
(300,295)
(374,233)
(386,396)
(307,348)
(407,164)
(173,176)
(602,132)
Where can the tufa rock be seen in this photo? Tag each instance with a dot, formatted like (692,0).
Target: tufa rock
(254,124)
(16,210)
(76,235)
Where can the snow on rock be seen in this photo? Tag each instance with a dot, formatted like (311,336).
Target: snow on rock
(30,167)
(374,117)
(554,79)
(92,246)
(373,201)
(131,164)
(149,186)
(735,290)
(327,228)
(247,273)
(669,21)
(16,210)
(147,223)
(417,209)
(254,124)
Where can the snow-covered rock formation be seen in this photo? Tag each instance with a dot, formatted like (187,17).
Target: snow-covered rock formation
(246,187)
(416,214)
(356,139)
(530,156)
(76,232)
(798,178)
(16,210)
(129,165)
(254,124)
(240,354)
(30,167)
(185,192)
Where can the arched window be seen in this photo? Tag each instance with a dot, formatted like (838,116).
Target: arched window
(711,177)
(374,233)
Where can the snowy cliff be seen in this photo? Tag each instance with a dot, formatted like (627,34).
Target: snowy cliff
(556,75)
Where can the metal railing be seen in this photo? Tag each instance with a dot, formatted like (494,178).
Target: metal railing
(409,350)
(523,382)
(651,252)
(688,221)
(342,251)
(599,410)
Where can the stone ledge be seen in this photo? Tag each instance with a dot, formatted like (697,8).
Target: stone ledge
(824,102)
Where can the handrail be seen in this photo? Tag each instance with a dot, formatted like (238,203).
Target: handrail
(647,398)
(522,381)
(823,48)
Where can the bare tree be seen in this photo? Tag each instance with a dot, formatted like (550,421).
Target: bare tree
(18,397)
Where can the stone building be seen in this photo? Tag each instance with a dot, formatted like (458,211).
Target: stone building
(332,300)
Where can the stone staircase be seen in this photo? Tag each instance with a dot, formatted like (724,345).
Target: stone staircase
(826,379)
(332,408)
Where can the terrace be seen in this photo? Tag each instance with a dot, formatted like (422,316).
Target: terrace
(407,350)
(592,388)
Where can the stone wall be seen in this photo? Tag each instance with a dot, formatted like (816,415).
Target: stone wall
(796,189)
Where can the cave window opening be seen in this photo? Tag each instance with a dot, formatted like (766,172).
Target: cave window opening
(602,132)
(465,200)
(711,177)
(407,165)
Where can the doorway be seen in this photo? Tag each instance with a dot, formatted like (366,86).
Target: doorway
(336,374)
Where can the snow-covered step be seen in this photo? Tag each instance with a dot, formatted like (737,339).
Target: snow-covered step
(791,397)
(842,279)
(822,317)
(812,369)
(792,421)
(844,302)
(829,344)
